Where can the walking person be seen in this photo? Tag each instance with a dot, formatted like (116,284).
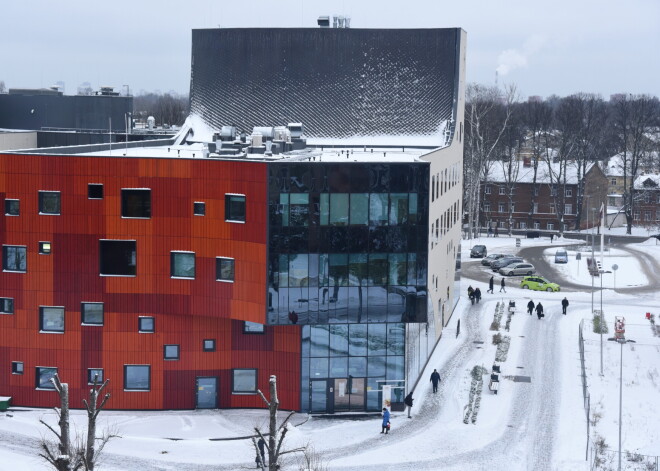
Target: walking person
(502,286)
(408,401)
(477,294)
(564,305)
(551,237)
(261,454)
(490,285)
(435,379)
(386,420)
(530,307)
(497,233)
(539,310)
(470,292)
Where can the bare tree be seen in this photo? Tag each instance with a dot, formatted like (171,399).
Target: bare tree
(2,86)
(60,455)
(634,116)
(276,434)
(167,109)
(90,456)
(311,460)
(83,455)
(487,112)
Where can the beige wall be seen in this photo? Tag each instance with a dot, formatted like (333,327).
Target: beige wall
(444,248)
(18,140)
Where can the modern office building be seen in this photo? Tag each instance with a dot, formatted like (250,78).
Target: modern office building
(304,223)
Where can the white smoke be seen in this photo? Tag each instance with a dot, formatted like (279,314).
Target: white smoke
(511,59)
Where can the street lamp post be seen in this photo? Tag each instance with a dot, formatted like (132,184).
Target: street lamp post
(622,340)
(600,274)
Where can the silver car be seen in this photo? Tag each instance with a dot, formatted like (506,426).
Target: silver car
(518,269)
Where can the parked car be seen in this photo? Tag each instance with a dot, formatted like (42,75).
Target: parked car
(478,251)
(491,258)
(538,283)
(504,261)
(561,256)
(518,269)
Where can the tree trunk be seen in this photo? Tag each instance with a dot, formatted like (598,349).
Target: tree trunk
(272,426)
(91,428)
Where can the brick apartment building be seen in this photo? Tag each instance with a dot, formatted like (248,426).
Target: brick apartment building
(512,198)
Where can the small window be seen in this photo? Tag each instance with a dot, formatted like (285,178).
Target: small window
(146,325)
(244,381)
(199,208)
(487,189)
(234,208)
(209,345)
(95,191)
(136,203)
(44,248)
(6,305)
(92,313)
(568,209)
(182,264)
(502,190)
(253,328)
(613,181)
(93,373)
(224,269)
(49,202)
(550,226)
(43,376)
(51,319)
(12,207)
(14,258)
(17,367)
(137,377)
(117,257)
(171,352)
(569,192)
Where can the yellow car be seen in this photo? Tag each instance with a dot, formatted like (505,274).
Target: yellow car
(538,283)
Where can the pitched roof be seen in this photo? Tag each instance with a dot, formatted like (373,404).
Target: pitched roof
(546,173)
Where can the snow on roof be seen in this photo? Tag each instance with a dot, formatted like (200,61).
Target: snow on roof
(546,173)
(647,181)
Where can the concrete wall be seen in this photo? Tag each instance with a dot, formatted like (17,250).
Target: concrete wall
(17,140)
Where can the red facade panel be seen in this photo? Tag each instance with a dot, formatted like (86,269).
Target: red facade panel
(185,311)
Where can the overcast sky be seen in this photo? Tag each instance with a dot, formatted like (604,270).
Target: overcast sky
(544,47)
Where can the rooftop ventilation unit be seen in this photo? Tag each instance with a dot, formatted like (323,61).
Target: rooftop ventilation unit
(227,133)
(323,21)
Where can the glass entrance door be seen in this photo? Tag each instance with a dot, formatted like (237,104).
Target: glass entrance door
(348,394)
(207,392)
(319,389)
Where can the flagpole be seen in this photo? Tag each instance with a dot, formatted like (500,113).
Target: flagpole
(602,233)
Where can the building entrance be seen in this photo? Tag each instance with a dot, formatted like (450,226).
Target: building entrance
(348,394)
(207,392)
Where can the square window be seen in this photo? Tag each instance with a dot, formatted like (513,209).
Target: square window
(95,191)
(244,381)
(49,202)
(91,313)
(234,208)
(44,248)
(502,190)
(487,190)
(95,373)
(171,352)
(613,181)
(14,258)
(12,207)
(182,264)
(6,305)
(224,269)
(17,367)
(51,319)
(569,192)
(137,377)
(117,257)
(253,328)
(209,345)
(146,325)
(199,208)
(136,203)
(43,377)
(550,226)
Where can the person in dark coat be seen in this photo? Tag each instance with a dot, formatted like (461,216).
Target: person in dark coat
(564,305)
(477,294)
(551,237)
(386,420)
(293,317)
(261,455)
(490,285)
(497,233)
(435,379)
(470,292)
(408,401)
(502,286)
(530,307)
(539,310)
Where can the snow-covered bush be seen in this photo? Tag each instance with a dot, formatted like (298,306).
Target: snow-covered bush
(598,329)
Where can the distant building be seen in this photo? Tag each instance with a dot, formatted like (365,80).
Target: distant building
(507,197)
(42,109)
(647,208)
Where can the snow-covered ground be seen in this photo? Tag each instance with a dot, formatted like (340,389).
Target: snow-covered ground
(536,425)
